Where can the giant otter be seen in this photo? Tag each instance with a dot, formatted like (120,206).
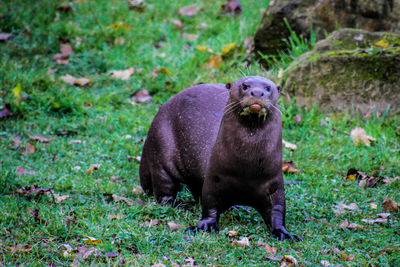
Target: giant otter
(225,143)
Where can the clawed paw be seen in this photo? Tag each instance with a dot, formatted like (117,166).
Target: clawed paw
(207,225)
(282,234)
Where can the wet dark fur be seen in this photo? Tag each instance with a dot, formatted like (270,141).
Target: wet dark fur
(202,138)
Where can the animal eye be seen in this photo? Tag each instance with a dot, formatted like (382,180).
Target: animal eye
(268,88)
(245,87)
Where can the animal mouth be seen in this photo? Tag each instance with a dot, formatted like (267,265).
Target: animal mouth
(256,109)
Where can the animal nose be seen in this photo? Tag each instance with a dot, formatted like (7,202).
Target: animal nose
(257,93)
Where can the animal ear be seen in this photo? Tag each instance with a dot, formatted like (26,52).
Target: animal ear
(279,88)
(229,85)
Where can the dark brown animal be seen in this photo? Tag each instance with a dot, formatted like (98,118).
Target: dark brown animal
(225,143)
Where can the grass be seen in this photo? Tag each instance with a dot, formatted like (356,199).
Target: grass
(102,118)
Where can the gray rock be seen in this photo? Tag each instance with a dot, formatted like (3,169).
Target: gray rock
(325,16)
(350,69)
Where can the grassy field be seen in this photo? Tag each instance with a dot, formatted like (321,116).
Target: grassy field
(98,124)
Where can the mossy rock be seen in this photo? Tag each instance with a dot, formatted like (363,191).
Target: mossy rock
(350,69)
(324,17)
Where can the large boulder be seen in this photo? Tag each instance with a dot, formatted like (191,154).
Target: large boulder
(350,69)
(324,16)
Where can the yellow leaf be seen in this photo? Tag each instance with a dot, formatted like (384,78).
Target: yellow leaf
(204,48)
(351,177)
(227,48)
(93,167)
(92,241)
(121,24)
(214,62)
(163,70)
(382,43)
(17,92)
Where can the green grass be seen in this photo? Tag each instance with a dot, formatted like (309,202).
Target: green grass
(101,116)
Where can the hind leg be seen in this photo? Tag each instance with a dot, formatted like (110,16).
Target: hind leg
(165,187)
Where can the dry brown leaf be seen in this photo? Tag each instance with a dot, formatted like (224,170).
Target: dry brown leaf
(189,36)
(111,254)
(233,7)
(342,208)
(289,145)
(5,110)
(5,36)
(289,260)
(244,242)
(20,171)
(159,264)
(30,149)
(63,57)
(380,218)
(66,49)
(22,248)
(173,226)
(232,233)
(214,62)
(75,81)
(76,141)
(122,74)
(115,216)
(16,141)
(177,23)
(346,224)
(60,198)
(288,167)
(390,205)
(93,167)
(137,5)
(141,96)
(270,250)
(188,10)
(118,198)
(360,136)
(297,118)
(40,138)
(33,190)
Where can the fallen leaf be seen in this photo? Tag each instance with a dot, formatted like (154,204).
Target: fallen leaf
(66,7)
(137,5)
(75,81)
(227,48)
(20,170)
(30,149)
(40,138)
(373,206)
(289,145)
(189,36)
(270,250)
(159,264)
(93,167)
(137,190)
(119,41)
(76,141)
(122,74)
(173,226)
(36,216)
(118,198)
(20,248)
(111,254)
(289,260)
(288,167)
(163,70)
(325,263)
(342,208)
(177,23)
(17,92)
(136,158)
(5,36)
(390,180)
(5,110)
(390,205)
(115,216)
(297,118)
(359,136)
(233,7)
(382,43)
(92,240)
(63,57)
(66,49)
(16,141)
(380,218)
(151,223)
(141,96)
(244,242)
(214,62)
(188,10)
(346,224)
(204,48)
(33,190)
(59,198)
(232,233)
(120,25)
(248,43)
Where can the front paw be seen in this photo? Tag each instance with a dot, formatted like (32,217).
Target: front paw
(281,233)
(206,224)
